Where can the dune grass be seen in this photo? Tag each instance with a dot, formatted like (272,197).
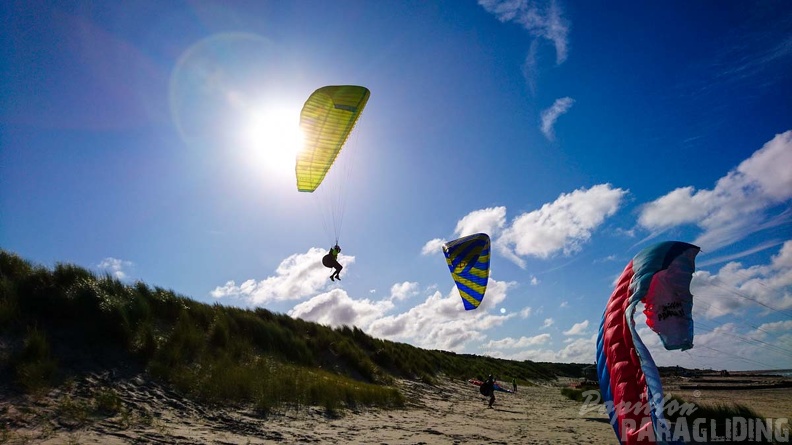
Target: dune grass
(215,353)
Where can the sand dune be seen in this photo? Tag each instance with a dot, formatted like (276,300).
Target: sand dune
(451,412)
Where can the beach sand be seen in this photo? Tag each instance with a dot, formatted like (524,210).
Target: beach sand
(450,412)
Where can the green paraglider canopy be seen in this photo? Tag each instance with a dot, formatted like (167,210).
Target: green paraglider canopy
(326,120)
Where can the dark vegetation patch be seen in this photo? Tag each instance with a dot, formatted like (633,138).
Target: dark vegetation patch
(66,322)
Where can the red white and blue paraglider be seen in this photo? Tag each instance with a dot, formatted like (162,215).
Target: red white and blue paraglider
(659,276)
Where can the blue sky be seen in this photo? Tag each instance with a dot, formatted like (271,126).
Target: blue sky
(151,140)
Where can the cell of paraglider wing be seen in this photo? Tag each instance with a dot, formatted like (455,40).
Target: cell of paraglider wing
(326,120)
(659,276)
(468,260)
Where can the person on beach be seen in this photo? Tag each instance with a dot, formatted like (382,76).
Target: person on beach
(488,389)
(514,385)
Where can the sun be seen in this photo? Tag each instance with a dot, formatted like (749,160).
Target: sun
(273,138)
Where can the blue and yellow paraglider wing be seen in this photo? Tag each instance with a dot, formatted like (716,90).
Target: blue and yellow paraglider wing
(326,120)
(468,260)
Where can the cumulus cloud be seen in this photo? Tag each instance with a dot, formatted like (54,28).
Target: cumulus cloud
(735,288)
(551,115)
(561,226)
(542,19)
(115,267)
(489,221)
(740,203)
(403,291)
(297,277)
(577,328)
(728,346)
(440,322)
(522,342)
(336,308)
(548,322)
(525,312)
(432,247)
(579,350)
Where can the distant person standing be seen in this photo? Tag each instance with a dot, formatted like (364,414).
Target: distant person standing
(514,385)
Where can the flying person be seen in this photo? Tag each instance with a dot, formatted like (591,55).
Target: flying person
(331,261)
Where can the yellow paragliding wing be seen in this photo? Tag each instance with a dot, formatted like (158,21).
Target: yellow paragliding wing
(326,120)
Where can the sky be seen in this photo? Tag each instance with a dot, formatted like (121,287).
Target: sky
(155,142)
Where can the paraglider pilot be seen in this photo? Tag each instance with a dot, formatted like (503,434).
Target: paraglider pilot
(488,389)
(331,260)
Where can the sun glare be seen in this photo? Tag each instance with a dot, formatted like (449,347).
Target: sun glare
(273,136)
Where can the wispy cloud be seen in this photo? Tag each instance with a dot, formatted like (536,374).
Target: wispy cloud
(738,205)
(577,328)
(542,19)
(551,115)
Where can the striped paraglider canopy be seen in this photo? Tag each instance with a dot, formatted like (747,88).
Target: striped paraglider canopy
(468,260)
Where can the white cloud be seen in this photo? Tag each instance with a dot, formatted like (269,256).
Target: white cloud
(336,308)
(403,291)
(540,19)
(735,288)
(548,322)
(577,328)
(297,277)
(115,267)
(561,226)
(740,203)
(522,342)
(777,326)
(440,322)
(551,115)
(432,247)
(525,312)
(529,68)
(489,221)
(728,346)
(580,350)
